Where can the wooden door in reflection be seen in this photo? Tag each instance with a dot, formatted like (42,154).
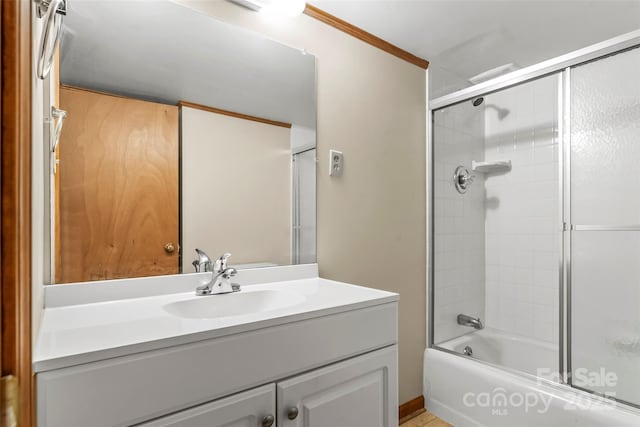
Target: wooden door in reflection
(118,188)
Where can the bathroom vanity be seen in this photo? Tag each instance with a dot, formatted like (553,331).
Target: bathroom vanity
(294,350)
(136,140)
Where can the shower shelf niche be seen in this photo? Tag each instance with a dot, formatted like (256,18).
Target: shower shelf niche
(493,166)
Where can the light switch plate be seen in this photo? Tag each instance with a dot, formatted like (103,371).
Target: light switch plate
(336,163)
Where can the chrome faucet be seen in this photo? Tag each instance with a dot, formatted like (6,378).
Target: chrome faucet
(203,263)
(466,320)
(220,277)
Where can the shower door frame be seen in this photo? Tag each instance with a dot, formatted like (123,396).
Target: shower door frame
(562,66)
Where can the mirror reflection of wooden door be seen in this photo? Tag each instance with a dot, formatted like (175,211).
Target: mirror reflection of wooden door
(118,188)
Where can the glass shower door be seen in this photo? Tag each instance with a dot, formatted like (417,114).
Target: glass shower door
(304,207)
(497,227)
(605,224)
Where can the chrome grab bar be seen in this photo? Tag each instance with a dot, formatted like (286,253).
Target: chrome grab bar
(52,22)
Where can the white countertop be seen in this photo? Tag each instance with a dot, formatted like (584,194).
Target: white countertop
(82,333)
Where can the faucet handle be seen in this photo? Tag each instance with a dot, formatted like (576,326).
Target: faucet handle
(203,263)
(221,263)
(230,272)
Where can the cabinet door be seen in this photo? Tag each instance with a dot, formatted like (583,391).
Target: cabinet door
(356,393)
(246,409)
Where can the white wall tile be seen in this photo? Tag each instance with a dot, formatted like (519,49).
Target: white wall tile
(459,221)
(497,246)
(522,220)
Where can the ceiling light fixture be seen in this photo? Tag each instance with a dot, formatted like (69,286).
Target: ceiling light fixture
(288,8)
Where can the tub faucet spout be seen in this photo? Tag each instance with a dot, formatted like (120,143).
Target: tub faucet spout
(466,320)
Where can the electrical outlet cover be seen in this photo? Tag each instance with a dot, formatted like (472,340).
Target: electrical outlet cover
(336,163)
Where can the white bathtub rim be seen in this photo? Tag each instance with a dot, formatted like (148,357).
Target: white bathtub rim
(502,369)
(491,332)
(564,392)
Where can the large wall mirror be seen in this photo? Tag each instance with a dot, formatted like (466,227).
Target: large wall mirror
(180,132)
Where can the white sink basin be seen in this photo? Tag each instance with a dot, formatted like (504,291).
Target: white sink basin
(234,304)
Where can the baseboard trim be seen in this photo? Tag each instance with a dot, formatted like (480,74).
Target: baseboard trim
(411,408)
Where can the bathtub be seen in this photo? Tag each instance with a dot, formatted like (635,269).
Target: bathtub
(509,351)
(469,391)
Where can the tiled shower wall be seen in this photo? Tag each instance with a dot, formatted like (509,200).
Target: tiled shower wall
(459,265)
(522,211)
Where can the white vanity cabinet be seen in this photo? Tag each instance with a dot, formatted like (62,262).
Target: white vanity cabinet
(336,368)
(356,392)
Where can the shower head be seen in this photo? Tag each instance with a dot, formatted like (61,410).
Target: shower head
(502,112)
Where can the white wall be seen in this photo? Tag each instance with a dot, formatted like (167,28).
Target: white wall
(523,227)
(236,188)
(459,220)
